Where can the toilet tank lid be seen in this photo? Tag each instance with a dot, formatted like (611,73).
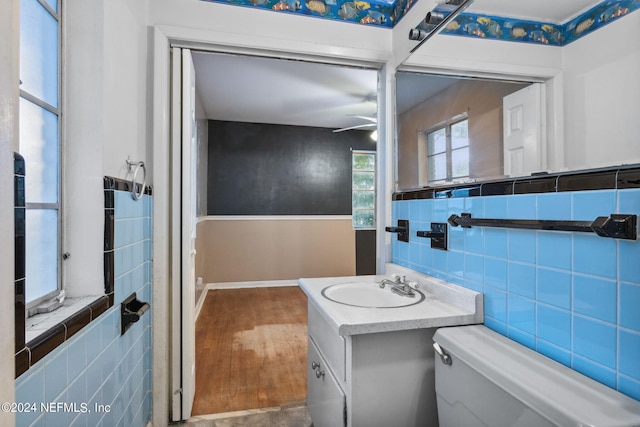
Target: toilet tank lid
(562,395)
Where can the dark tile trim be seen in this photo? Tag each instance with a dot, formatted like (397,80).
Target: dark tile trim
(23,363)
(501,188)
(19,232)
(27,354)
(109,226)
(628,178)
(109,273)
(20,310)
(540,185)
(18,164)
(77,321)
(46,342)
(618,177)
(99,306)
(605,180)
(119,184)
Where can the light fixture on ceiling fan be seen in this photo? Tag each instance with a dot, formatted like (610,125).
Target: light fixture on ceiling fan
(373,124)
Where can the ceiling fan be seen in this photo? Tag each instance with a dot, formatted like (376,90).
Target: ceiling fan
(373,123)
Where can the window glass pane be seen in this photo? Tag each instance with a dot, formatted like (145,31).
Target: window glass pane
(362,200)
(460,134)
(460,162)
(363,218)
(39,146)
(436,141)
(38,52)
(438,167)
(364,181)
(364,161)
(41,252)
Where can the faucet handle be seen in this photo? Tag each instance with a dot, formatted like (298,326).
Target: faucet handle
(414,285)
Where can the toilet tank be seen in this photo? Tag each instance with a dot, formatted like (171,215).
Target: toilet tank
(494,381)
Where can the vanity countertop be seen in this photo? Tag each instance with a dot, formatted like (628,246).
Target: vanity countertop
(445,304)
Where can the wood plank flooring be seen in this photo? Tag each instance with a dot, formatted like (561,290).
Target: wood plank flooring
(251,349)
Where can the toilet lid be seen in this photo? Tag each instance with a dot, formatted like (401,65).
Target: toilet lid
(560,394)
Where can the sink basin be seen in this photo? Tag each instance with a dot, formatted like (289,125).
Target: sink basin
(369,295)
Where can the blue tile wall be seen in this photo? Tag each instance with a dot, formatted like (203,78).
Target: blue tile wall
(573,297)
(98,366)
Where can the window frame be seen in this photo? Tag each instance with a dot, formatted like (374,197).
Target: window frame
(374,191)
(57,206)
(448,152)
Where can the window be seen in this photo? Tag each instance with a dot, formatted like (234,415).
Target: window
(40,145)
(448,152)
(363,189)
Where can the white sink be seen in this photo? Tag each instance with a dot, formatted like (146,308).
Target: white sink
(369,295)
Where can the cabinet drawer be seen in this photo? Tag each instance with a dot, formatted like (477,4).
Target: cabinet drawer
(330,343)
(325,398)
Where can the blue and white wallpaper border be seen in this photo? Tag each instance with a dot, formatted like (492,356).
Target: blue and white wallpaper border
(385,14)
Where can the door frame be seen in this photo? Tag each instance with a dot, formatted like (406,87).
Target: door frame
(167,202)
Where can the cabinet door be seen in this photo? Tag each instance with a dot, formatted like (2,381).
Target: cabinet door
(325,398)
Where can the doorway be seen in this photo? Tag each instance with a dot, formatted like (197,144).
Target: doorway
(335,98)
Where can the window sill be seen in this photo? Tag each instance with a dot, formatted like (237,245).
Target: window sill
(40,323)
(47,334)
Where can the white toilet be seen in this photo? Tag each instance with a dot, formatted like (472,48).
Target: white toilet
(494,381)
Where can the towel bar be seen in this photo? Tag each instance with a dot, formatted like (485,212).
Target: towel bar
(616,226)
(138,165)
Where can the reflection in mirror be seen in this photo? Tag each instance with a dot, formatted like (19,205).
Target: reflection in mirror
(450,129)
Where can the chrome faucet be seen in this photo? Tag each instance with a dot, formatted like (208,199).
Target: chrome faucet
(400,285)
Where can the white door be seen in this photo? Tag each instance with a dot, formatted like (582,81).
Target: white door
(183,152)
(523,136)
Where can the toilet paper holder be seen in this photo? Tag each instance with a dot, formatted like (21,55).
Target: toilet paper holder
(131,309)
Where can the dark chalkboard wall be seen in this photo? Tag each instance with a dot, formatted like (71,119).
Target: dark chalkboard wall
(262,169)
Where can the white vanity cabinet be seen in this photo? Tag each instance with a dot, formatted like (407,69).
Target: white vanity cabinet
(375,367)
(374,379)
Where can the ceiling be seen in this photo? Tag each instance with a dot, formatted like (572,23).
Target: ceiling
(553,11)
(265,90)
(278,91)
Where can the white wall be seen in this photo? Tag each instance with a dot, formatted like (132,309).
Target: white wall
(105,100)
(83,133)
(8,143)
(263,29)
(126,86)
(451,53)
(602,96)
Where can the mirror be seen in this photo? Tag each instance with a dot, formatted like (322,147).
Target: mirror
(449,129)
(589,107)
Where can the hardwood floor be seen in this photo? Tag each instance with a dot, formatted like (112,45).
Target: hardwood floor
(251,349)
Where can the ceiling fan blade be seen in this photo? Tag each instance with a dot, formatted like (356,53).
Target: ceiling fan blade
(356,127)
(371,119)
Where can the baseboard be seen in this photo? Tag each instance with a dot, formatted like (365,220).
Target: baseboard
(256,284)
(240,285)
